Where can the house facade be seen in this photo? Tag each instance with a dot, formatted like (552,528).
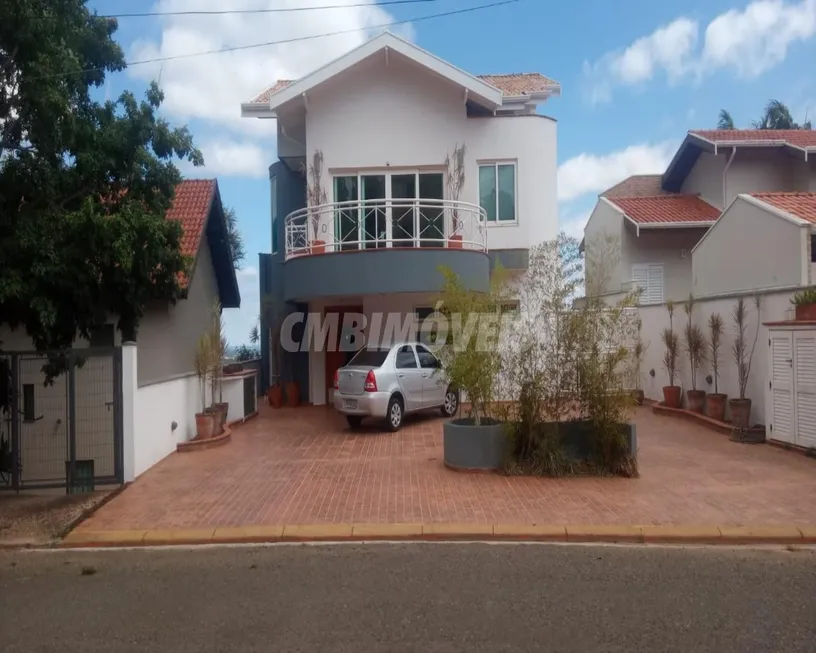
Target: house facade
(409,165)
(712,223)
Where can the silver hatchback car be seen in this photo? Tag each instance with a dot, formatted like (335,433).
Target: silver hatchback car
(391,382)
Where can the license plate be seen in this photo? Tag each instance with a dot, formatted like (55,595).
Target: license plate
(349,403)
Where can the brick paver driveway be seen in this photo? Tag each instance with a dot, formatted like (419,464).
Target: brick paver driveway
(303,466)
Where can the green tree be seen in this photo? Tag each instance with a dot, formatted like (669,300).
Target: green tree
(776,116)
(234,238)
(84,184)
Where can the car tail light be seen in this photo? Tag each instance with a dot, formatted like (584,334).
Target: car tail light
(336,379)
(371,382)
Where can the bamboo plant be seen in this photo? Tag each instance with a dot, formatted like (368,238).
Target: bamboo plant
(671,344)
(202,364)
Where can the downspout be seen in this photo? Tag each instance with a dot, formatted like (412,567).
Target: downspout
(725,172)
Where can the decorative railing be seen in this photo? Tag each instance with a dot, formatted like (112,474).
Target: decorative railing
(373,224)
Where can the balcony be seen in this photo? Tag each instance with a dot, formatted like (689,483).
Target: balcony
(383,246)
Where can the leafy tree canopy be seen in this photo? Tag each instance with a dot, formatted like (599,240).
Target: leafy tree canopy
(84,184)
(776,116)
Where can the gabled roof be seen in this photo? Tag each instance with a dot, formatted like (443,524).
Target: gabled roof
(665,210)
(799,142)
(197,206)
(637,186)
(488,90)
(798,205)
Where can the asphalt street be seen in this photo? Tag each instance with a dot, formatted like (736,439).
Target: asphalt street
(421,597)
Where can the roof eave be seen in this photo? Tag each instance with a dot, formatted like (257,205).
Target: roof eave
(257,110)
(698,224)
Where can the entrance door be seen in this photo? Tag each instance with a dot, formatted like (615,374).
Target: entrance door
(335,357)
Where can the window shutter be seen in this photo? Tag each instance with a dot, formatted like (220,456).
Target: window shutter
(640,279)
(654,290)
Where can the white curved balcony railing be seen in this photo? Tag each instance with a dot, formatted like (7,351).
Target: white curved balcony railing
(372,224)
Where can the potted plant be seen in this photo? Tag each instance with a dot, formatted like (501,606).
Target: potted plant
(202,362)
(715,402)
(455,181)
(805,304)
(218,350)
(638,354)
(315,199)
(478,440)
(671,392)
(741,407)
(695,345)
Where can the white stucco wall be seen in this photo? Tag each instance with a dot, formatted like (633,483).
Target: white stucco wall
(706,178)
(749,249)
(759,171)
(400,116)
(775,307)
(804,176)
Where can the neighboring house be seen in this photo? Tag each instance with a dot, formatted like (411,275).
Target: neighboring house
(655,222)
(164,390)
(383,120)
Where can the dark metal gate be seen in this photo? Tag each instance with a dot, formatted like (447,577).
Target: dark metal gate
(64,431)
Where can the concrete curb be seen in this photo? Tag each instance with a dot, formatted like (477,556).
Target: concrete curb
(661,534)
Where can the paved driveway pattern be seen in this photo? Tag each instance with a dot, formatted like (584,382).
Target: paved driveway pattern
(302,466)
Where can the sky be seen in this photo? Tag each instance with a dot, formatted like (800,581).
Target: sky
(635,76)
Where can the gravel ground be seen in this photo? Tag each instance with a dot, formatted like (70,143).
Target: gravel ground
(40,519)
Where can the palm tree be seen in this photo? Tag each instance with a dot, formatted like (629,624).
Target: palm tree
(776,116)
(725,121)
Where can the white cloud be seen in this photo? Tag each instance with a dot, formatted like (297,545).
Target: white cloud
(227,157)
(212,87)
(749,42)
(592,173)
(573,225)
(249,272)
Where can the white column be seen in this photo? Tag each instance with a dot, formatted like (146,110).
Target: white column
(129,389)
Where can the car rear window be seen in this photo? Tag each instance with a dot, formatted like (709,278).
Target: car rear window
(370,357)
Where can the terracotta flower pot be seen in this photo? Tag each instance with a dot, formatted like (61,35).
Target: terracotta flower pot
(221,410)
(806,311)
(275,395)
(696,400)
(740,413)
(455,241)
(715,406)
(672,395)
(318,247)
(638,396)
(205,423)
(292,394)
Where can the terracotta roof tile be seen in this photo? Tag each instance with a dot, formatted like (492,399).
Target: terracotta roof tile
(191,206)
(637,186)
(802,205)
(515,84)
(666,209)
(512,85)
(797,137)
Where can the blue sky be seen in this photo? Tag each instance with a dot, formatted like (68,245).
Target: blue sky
(635,75)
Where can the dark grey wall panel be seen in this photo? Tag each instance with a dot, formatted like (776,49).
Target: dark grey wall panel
(379,271)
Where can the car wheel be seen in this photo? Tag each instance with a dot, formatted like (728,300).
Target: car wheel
(394,416)
(354,420)
(451,403)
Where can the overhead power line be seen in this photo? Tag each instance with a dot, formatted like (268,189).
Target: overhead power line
(297,39)
(278,10)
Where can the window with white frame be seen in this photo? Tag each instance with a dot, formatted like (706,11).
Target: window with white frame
(497,191)
(648,277)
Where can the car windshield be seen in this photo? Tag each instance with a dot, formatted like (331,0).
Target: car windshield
(369,357)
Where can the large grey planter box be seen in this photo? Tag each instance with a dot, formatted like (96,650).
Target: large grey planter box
(469,447)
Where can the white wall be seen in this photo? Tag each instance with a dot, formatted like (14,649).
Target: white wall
(706,178)
(749,248)
(605,229)
(759,171)
(401,116)
(804,176)
(776,307)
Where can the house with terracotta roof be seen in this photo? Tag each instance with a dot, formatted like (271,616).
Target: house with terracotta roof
(409,164)
(730,213)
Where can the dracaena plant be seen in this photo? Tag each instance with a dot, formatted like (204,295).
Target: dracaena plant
(715,333)
(742,355)
(671,344)
(694,342)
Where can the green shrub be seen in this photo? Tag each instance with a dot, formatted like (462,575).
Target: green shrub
(803,297)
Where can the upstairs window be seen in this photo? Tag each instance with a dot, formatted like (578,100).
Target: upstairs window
(497,191)
(649,278)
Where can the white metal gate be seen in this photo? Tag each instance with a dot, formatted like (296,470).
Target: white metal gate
(791,399)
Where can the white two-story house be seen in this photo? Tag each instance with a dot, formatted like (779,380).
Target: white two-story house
(410,165)
(732,212)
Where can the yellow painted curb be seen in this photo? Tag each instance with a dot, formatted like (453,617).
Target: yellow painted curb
(604,533)
(457,530)
(248,534)
(531,531)
(668,533)
(317,532)
(760,533)
(179,536)
(103,538)
(386,531)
